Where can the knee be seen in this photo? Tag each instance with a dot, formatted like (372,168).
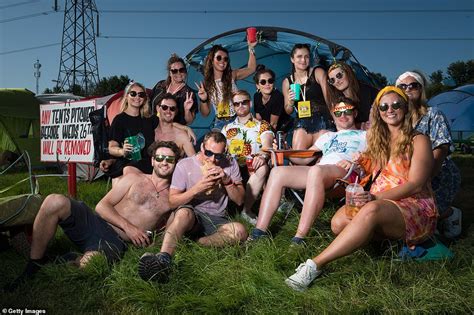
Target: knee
(183,216)
(55,204)
(236,231)
(338,224)
(315,172)
(369,212)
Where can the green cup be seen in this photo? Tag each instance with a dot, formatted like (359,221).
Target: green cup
(135,155)
(296,88)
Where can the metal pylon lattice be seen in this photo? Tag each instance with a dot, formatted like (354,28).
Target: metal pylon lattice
(78,66)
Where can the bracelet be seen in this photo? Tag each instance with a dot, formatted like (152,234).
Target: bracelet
(252,50)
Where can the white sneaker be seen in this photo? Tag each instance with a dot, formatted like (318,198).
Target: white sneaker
(452,225)
(249,219)
(305,274)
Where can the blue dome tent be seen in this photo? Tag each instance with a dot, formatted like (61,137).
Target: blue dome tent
(458,106)
(273,50)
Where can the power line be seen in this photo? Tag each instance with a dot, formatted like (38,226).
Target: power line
(29,48)
(151,37)
(17,4)
(26,16)
(290,11)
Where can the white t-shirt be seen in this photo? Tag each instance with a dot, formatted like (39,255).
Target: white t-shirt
(340,145)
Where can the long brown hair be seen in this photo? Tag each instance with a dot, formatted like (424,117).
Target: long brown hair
(353,86)
(379,146)
(209,81)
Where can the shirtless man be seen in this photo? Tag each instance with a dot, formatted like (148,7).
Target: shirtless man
(166,130)
(136,204)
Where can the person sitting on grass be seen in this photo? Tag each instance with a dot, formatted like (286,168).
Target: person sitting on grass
(167,109)
(246,138)
(200,190)
(338,149)
(400,204)
(137,203)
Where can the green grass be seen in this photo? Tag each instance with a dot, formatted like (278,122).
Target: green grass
(249,279)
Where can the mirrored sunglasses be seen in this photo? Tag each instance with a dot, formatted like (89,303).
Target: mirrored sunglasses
(168,158)
(264,82)
(180,70)
(134,93)
(409,87)
(395,106)
(346,112)
(338,76)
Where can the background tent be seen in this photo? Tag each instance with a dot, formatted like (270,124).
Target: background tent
(273,50)
(19,123)
(458,106)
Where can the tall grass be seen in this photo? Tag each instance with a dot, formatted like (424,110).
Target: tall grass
(248,278)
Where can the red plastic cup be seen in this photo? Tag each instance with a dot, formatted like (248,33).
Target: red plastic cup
(252,34)
(249,162)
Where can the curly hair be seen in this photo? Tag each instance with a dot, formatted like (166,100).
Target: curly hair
(379,148)
(209,80)
(164,144)
(173,59)
(144,109)
(353,87)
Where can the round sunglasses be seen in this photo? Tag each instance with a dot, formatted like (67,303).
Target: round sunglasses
(264,82)
(338,76)
(134,93)
(225,58)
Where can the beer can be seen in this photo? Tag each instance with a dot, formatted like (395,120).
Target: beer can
(280,140)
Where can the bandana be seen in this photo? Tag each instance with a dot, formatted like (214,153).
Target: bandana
(342,106)
(387,89)
(412,74)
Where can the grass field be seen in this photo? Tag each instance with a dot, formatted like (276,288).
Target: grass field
(249,279)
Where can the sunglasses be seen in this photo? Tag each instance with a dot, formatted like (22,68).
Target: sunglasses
(339,76)
(264,82)
(409,87)
(218,156)
(219,58)
(346,112)
(395,106)
(168,158)
(241,103)
(166,107)
(180,70)
(134,93)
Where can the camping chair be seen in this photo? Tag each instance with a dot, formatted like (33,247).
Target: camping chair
(337,191)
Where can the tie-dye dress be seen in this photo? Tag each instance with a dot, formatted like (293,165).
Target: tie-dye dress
(419,210)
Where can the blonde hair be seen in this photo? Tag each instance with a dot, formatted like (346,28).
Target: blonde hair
(379,146)
(144,109)
(420,106)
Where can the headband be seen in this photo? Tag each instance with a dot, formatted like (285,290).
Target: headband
(412,74)
(388,89)
(342,106)
(334,66)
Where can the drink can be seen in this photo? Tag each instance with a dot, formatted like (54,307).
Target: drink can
(135,155)
(280,140)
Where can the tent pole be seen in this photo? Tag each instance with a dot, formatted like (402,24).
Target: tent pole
(71,181)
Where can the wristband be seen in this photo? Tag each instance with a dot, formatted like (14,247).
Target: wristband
(252,50)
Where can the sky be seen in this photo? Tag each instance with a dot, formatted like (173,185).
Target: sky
(389,37)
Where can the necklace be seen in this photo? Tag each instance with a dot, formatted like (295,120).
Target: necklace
(176,89)
(156,188)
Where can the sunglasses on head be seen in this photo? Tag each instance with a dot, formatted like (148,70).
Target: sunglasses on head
(346,112)
(168,158)
(180,70)
(241,103)
(217,156)
(134,93)
(264,82)
(338,76)
(395,106)
(411,86)
(166,107)
(219,58)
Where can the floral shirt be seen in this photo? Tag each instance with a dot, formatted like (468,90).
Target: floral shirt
(436,126)
(244,140)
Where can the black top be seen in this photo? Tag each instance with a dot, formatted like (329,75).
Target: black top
(160,89)
(367,95)
(274,106)
(314,94)
(124,126)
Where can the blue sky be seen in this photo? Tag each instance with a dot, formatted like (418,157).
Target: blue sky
(386,36)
